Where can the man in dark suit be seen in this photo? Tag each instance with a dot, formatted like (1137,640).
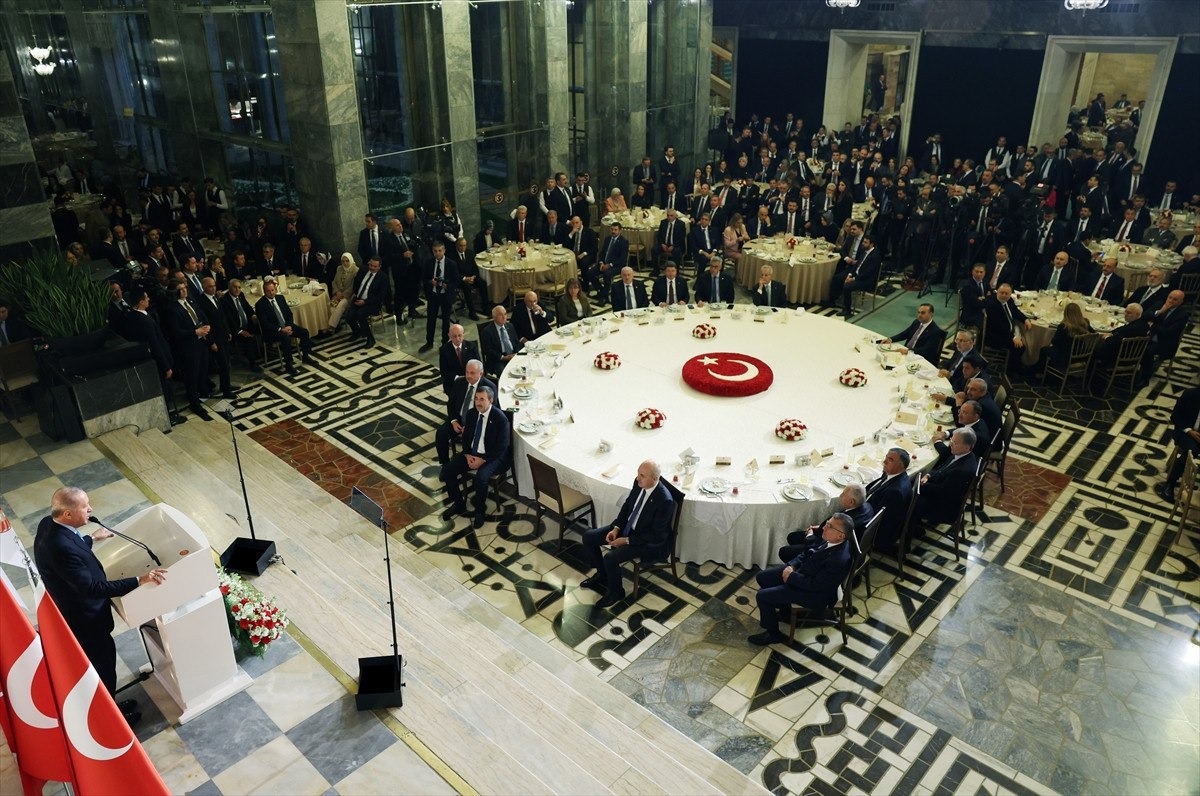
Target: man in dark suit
(976,389)
(582,243)
(790,222)
(628,293)
(453,356)
(923,337)
(271,263)
(642,530)
(75,578)
(65,221)
(460,400)
(402,261)
(1056,275)
(556,231)
(669,241)
(714,286)
(520,228)
(1128,228)
(769,291)
(220,339)
(669,288)
(239,320)
(852,502)
(1135,326)
(1001,270)
(810,579)
(611,258)
(559,197)
(862,275)
(1006,324)
(368,239)
(530,319)
(440,277)
(276,325)
(1185,433)
(1190,265)
(968,415)
(158,209)
(940,493)
(188,330)
(499,341)
(1166,330)
(186,244)
(1108,284)
(143,327)
(1050,238)
(370,292)
(954,368)
(1151,295)
(1169,199)
(973,296)
(485,442)
(890,493)
(704,241)
(645,174)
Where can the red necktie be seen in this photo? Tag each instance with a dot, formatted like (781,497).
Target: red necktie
(1100,286)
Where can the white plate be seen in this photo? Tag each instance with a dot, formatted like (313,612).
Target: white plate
(535,348)
(845,478)
(518,371)
(529,427)
(797,493)
(293,302)
(714,486)
(762,310)
(523,392)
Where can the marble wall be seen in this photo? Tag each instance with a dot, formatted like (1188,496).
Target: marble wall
(24,214)
(460,106)
(616,85)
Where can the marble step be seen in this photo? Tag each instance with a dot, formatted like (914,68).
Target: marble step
(689,766)
(621,724)
(343,622)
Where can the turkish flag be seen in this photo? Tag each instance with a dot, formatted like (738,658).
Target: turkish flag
(106,756)
(28,714)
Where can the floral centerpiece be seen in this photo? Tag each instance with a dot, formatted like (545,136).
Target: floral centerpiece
(650,418)
(704,331)
(791,429)
(791,243)
(853,377)
(607,360)
(521,251)
(254,620)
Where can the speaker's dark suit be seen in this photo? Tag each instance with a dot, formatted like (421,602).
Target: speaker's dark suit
(76,580)
(451,365)
(929,344)
(817,571)
(358,316)
(658,294)
(495,439)
(272,329)
(648,538)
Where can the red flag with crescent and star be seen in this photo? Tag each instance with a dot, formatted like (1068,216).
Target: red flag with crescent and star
(106,756)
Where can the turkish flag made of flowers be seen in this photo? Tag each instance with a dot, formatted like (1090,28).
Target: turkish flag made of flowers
(106,756)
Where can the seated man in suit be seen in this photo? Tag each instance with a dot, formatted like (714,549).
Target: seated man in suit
(582,242)
(923,337)
(940,492)
(978,390)
(1127,229)
(769,292)
(810,579)
(1056,275)
(530,319)
(1110,344)
(628,294)
(556,231)
(952,369)
(968,415)
(370,292)
(275,322)
(239,319)
(669,288)
(459,402)
(1151,295)
(1006,324)
(1108,285)
(499,341)
(469,278)
(1185,433)
(642,530)
(1160,235)
(704,241)
(713,286)
(890,492)
(611,258)
(852,502)
(520,228)
(1190,265)
(862,275)
(485,441)
(454,354)
(973,296)
(1002,270)
(670,241)
(1166,330)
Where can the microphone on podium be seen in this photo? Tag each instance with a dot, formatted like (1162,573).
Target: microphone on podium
(129,539)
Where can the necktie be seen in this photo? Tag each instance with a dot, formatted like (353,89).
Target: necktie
(505,343)
(304,263)
(670,201)
(633,515)
(468,401)
(1008,312)
(1042,238)
(912,341)
(374,243)
(996,274)
(791,225)
(707,245)
(1054,274)
(191,312)
(670,232)
(478,440)
(670,291)
(1046,169)
(767,291)
(1099,291)
(1124,231)
(716,289)
(3,333)
(195,280)
(125,250)
(1166,202)
(1133,186)
(878,482)
(366,284)
(629,297)
(982,218)
(437,274)
(458,353)
(578,237)
(241,313)
(278,312)
(520,231)
(552,228)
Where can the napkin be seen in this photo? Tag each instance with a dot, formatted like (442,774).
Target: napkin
(611,471)
(548,443)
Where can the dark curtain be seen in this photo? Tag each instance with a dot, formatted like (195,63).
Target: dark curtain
(1175,154)
(972,96)
(774,77)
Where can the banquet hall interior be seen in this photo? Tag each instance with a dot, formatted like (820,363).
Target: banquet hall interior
(1053,646)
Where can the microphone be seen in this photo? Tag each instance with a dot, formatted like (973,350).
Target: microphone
(129,539)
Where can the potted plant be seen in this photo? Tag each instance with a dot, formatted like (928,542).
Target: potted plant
(59,300)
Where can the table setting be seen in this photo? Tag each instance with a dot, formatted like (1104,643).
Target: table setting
(640,225)
(1044,308)
(804,265)
(551,263)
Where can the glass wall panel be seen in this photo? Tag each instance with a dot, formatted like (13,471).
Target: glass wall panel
(505,169)
(577,63)
(492,62)
(244,68)
(414,177)
(261,180)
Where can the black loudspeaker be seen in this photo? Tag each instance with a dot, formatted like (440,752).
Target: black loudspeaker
(379,682)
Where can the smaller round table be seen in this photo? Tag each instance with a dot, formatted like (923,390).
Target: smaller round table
(503,266)
(1044,308)
(640,225)
(308,309)
(805,269)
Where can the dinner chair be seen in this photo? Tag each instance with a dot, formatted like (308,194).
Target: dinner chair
(1186,497)
(997,358)
(265,346)
(672,557)
(637,258)
(1128,363)
(1078,362)
(998,457)
(1000,396)
(840,609)
(520,282)
(18,370)
(956,529)
(1135,280)
(863,566)
(565,504)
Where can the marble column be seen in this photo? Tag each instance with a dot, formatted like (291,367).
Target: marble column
(460,110)
(24,214)
(542,99)
(313,38)
(681,35)
(88,36)
(616,84)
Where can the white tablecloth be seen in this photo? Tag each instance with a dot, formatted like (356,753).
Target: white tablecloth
(806,353)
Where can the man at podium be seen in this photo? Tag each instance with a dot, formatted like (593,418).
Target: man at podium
(75,579)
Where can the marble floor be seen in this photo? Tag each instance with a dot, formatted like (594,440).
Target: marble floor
(1058,656)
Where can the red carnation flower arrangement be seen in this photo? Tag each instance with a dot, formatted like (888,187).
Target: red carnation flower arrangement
(254,620)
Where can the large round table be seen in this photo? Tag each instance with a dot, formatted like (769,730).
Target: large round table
(1044,308)
(574,406)
(310,310)
(805,270)
(502,264)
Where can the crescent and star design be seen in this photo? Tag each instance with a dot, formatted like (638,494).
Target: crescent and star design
(751,370)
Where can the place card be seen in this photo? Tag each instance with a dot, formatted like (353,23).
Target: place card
(548,443)
(677,317)
(908,418)
(815,457)
(643,321)
(777,459)
(723,461)
(686,454)
(858,441)
(759,319)
(826,453)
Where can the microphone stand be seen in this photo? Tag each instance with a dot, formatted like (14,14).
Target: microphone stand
(246,556)
(129,539)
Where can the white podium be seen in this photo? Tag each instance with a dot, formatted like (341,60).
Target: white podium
(182,621)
